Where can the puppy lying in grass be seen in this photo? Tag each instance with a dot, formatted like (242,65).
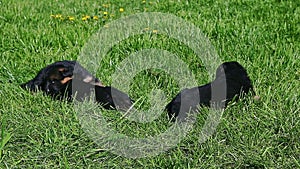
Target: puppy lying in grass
(58,80)
(52,75)
(230,83)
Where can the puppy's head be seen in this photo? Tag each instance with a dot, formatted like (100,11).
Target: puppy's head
(52,79)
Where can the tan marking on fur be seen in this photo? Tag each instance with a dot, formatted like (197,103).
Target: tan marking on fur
(65,80)
(88,79)
(61,69)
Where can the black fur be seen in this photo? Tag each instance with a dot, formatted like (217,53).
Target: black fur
(109,97)
(231,81)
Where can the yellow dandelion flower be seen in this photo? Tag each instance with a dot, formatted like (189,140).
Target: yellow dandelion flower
(95,17)
(71,18)
(121,9)
(85,18)
(154,31)
(144,1)
(105,5)
(58,16)
(146,29)
(105,13)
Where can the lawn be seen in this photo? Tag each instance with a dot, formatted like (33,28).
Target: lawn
(264,36)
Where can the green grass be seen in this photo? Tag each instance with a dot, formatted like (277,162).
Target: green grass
(264,36)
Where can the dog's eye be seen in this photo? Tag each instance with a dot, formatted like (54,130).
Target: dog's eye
(52,82)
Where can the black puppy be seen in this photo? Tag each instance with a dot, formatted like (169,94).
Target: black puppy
(56,80)
(231,81)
